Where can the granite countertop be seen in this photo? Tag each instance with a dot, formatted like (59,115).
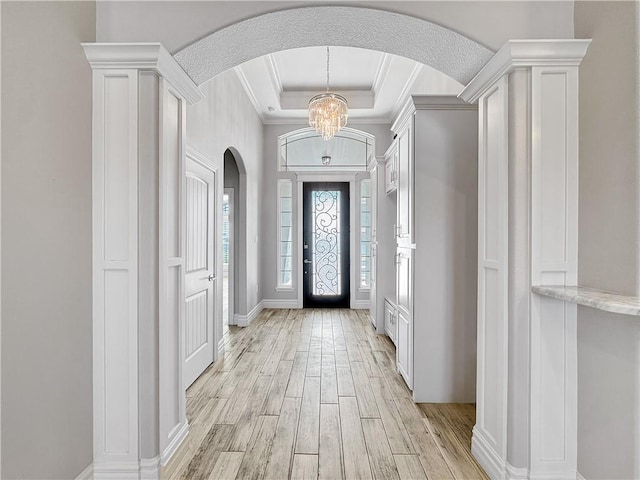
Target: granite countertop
(592,297)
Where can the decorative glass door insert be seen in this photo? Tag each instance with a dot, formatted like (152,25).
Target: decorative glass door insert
(326,244)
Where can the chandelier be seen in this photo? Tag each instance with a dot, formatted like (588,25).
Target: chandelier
(328,112)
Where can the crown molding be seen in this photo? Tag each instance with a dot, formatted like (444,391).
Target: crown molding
(242,78)
(381,73)
(524,53)
(143,56)
(404,95)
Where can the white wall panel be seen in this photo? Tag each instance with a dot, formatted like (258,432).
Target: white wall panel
(115,217)
(173,422)
(489,436)
(554,250)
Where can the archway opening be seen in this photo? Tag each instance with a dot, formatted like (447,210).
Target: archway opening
(233,237)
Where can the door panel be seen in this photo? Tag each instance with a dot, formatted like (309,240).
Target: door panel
(403,348)
(403,277)
(405,189)
(326,244)
(199,279)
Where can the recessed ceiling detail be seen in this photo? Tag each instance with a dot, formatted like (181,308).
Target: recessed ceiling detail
(375,84)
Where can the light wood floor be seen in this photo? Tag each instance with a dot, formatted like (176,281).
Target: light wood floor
(314,394)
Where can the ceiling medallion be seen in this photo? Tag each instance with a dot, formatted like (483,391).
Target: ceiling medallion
(328,111)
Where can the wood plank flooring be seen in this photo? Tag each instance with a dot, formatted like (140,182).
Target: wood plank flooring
(314,394)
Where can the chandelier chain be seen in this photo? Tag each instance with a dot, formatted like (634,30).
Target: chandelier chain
(327,68)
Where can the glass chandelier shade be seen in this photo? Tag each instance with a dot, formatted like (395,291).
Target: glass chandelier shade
(328,112)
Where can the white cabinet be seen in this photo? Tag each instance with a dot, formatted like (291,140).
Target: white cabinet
(404,280)
(405,187)
(404,348)
(436,247)
(390,320)
(391,168)
(404,296)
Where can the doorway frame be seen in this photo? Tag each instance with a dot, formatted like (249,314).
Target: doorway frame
(307,282)
(130,450)
(230,277)
(345,177)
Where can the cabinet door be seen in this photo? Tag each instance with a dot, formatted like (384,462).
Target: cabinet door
(390,170)
(404,348)
(405,186)
(404,284)
(390,321)
(373,295)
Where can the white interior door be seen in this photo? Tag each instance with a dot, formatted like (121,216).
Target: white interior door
(200,271)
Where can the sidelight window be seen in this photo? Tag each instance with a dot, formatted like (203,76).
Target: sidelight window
(285,233)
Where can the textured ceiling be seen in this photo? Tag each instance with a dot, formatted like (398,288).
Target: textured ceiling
(422,41)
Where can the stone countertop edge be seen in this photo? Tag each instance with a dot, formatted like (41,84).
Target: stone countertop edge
(592,297)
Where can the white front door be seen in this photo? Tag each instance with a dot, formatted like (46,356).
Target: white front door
(200,271)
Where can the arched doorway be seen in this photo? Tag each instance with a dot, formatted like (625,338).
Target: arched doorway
(135,445)
(423,41)
(234,238)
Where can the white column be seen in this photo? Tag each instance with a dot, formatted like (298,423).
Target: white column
(139,95)
(528,96)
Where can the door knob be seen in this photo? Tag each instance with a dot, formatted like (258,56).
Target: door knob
(212,277)
(306,261)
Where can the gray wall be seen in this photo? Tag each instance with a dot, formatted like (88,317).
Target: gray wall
(178,24)
(232,180)
(226,118)
(46,239)
(609,344)
(269,202)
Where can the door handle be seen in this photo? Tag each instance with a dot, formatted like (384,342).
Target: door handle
(211,277)
(306,261)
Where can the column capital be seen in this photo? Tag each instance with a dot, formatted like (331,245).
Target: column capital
(524,53)
(143,56)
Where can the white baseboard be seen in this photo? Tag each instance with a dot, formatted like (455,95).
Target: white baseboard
(174,444)
(559,475)
(516,473)
(116,471)
(220,349)
(579,476)
(361,304)
(488,459)
(87,473)
(150,468)
(277,303)
(245,320)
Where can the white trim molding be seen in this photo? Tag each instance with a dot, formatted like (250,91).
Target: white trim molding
(150,468)
(176,441)
(490,460)
(360,304)
(143,56)
(221,348)
(245,320)
(524,53)
(280,303)
(86,474)
(516,473)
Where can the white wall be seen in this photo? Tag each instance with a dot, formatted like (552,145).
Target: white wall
(269,203)
(226,118)
(178,24)
(46,239)
(609,344)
